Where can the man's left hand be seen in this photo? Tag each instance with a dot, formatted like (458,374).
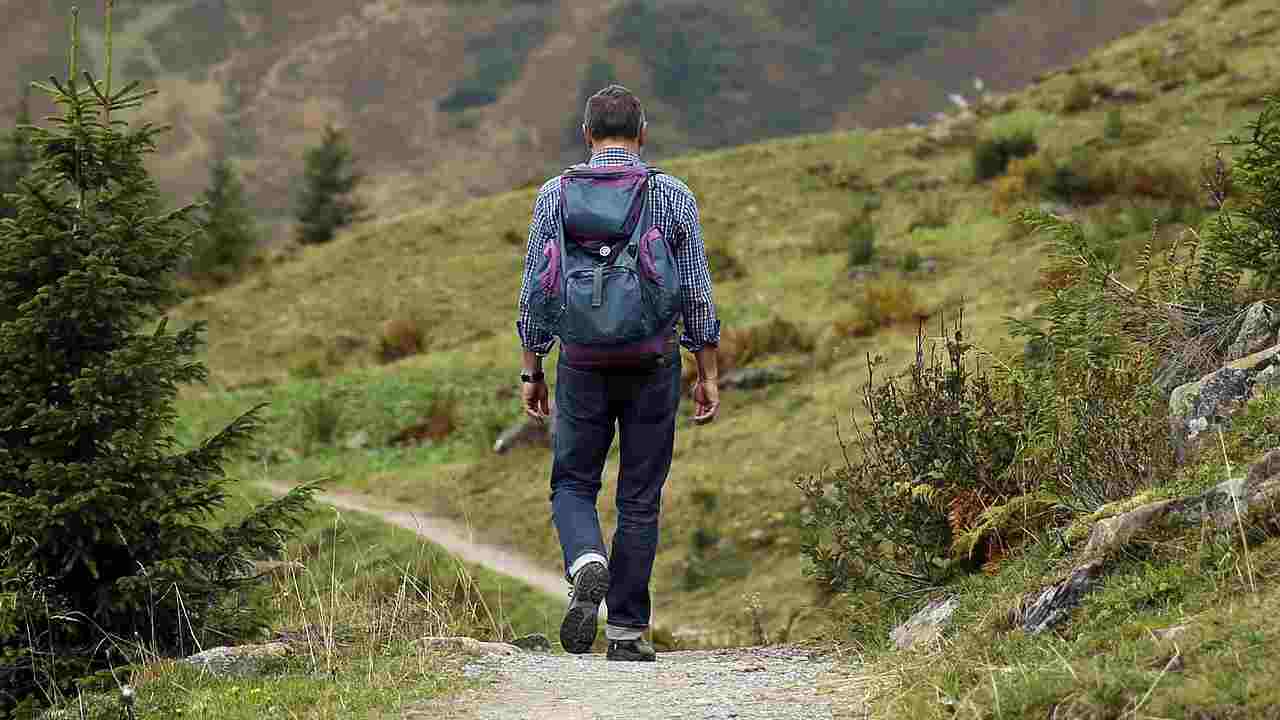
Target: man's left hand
(537,400)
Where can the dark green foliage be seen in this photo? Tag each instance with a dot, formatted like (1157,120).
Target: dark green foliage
(107,527)
(881,522)
(1115,125)
(1249,230)
(328,201)
(496,59)
(16,159)
(862,242)
(991,156)
(229,235)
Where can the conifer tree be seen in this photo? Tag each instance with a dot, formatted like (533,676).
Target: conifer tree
(109,530)
(328,201)
(229,230)
(15,158)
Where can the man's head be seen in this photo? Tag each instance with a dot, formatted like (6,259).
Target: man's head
(614,117)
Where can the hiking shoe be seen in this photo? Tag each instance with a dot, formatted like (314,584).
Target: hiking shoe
(578,631)
(631,651)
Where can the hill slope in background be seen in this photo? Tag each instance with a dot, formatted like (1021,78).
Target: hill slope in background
(451,99)
(1138,117)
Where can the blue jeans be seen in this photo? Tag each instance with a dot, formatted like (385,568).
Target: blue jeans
(643,405)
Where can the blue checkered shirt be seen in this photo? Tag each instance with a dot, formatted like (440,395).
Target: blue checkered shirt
(675,212)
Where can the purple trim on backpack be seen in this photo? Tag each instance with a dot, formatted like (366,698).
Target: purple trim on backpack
(644,353)
(648,265)
(551,276)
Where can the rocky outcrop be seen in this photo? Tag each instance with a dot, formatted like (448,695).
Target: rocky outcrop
(925,627)
(1257,331)
(1210,401)
(240,661)
(1222,506)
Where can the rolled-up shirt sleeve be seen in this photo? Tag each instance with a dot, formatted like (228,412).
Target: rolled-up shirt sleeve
(533,336)
(698,308)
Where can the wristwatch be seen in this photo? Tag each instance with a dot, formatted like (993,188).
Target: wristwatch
(534,378)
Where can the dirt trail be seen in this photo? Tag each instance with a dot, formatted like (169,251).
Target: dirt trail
(743,684)
(453,537)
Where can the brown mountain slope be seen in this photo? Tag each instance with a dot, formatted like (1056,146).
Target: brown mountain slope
(446,99)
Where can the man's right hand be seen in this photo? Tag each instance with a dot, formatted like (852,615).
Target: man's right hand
(537,401)
(706,396)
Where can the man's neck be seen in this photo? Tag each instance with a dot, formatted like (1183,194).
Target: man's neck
(631,147)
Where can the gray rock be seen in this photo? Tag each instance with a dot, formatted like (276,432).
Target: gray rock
(926,625)
(240,661)
(1197,406)
(1257,331)
(536,642)
(1267,381)
(468,646)
(752,378)
(358,440)
(1054,603)
(1170,634)
(1219,507)
(527,432)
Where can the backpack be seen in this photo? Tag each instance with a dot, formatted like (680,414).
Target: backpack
(608,284)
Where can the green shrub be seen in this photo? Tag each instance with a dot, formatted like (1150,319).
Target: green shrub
(320,420)
(1114,127)
(862,241)
(911,261)
(939,437)
(991,156)
(1247,230)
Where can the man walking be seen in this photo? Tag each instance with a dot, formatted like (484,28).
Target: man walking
(615,258)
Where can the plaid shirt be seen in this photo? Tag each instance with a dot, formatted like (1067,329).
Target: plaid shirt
(675,212)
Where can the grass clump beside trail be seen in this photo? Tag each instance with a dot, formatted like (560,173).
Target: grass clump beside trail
(782,212)
(351,600)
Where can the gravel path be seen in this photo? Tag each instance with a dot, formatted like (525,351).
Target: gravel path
(743,684)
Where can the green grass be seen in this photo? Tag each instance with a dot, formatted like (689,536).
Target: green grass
(361,595)
(775,206)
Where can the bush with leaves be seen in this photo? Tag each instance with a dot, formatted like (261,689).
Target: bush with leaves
(991,156)
(111,535)
(939,441)
(328,202)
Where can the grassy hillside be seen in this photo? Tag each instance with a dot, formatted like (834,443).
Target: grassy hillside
(468,98)
(1123,135)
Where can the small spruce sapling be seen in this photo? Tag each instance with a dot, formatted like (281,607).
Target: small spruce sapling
(328,202)
(229,234)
